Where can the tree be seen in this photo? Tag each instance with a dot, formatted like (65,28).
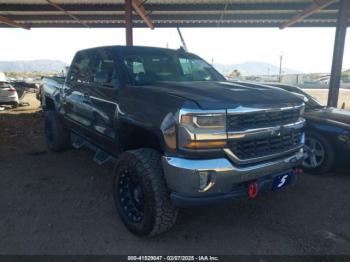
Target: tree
(346,73)
(234,74)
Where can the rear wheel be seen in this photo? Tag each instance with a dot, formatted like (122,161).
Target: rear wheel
(140,193)
(319,154)
(57,136)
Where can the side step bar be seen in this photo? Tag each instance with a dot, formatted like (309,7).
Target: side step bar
(101,157)
(78,142)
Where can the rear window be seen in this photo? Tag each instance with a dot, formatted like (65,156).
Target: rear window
(4,85)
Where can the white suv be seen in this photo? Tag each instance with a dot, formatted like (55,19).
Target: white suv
(8,95)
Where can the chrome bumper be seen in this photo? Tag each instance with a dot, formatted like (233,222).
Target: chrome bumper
(217,176)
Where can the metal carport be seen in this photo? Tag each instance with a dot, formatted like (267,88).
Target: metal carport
(183,13)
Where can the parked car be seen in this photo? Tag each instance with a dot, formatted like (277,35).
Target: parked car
(24,87)
(181,133)
(8,95)
(327,133)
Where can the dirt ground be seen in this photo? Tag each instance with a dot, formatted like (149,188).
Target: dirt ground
(322,94)
(62,204)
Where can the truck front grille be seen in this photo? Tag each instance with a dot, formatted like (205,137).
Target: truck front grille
(236,122)
(270,145)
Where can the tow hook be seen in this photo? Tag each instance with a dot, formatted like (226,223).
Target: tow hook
(253,190)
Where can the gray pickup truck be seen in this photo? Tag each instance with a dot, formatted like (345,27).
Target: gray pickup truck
(181,134)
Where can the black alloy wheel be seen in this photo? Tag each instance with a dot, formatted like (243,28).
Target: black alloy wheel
(141,196)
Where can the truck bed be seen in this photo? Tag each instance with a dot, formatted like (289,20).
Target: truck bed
(51,85)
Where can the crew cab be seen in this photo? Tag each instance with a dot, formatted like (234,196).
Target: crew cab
(182,135)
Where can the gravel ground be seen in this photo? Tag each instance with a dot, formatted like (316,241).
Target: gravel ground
(62,204)
(322,95)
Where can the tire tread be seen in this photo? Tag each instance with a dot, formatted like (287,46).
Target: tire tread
(148,163)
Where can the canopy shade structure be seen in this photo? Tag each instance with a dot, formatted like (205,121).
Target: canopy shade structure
(170,13)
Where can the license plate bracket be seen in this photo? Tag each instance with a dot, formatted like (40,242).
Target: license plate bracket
(282,180)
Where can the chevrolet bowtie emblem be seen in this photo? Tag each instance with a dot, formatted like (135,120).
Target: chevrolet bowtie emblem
(277,131)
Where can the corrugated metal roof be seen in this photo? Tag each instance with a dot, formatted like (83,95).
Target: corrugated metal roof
(151,1)
(166,13)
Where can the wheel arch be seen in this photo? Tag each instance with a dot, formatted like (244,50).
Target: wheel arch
(134,136)
(49,103)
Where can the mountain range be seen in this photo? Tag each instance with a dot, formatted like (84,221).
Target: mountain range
(42,65)
(50,66)
(254,68)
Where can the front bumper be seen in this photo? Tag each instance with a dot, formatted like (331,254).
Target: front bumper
(183,176)
(239,191)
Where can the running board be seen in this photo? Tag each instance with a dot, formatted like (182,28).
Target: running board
(101,157)
(78,142)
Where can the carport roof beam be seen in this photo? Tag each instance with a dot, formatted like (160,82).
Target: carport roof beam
(140,10)
(316,6)
(66,12)
(10,22)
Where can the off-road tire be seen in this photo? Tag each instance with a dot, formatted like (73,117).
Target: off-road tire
(159,213)
(329,158)
(57,136)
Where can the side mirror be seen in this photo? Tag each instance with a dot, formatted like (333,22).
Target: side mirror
(101,77)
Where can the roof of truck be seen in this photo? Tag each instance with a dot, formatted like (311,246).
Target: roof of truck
(135,47)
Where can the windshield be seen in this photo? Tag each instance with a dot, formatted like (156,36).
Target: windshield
(163,65)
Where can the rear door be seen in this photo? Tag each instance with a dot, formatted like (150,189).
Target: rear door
(102,93)
(76,102)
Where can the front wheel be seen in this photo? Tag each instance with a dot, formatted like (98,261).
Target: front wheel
(140,193)
(320,155)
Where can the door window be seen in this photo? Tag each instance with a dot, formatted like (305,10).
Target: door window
(80,68)
(103,69)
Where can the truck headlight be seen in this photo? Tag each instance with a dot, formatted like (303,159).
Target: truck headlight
(210,121)
(202,129)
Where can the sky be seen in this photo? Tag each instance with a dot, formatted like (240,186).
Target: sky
(304,49)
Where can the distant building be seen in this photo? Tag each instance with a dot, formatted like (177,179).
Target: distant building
(2,77)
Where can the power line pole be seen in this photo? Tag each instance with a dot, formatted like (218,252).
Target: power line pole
(280,73)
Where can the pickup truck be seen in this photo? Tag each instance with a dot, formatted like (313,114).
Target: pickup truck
(181,134)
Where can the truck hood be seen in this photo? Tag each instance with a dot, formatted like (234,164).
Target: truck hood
(216,95)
